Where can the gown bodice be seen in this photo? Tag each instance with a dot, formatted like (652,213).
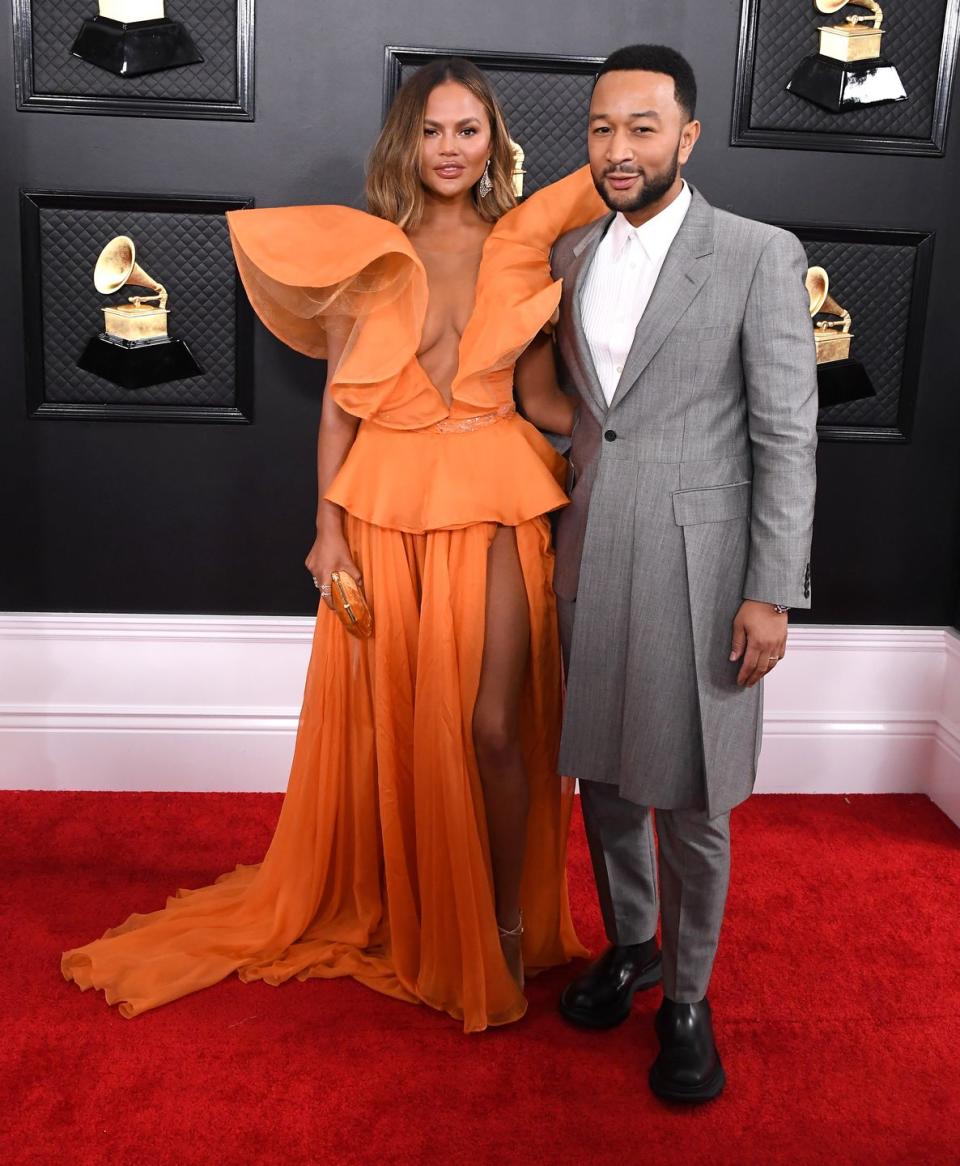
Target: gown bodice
(418,463)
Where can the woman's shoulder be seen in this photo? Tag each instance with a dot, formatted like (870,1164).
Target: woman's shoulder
(553,210)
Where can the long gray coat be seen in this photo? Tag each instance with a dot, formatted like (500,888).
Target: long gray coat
(692,491)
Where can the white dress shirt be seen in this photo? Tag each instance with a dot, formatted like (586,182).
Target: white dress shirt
(617,288)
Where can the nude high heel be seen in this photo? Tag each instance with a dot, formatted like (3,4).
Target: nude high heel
(511,944)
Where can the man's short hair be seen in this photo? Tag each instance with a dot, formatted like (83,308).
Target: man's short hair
(657,59)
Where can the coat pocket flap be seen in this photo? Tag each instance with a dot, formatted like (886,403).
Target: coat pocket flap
(711,503)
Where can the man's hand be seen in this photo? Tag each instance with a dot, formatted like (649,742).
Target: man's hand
(759,638)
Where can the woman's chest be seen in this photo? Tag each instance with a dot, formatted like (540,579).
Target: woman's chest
(451,283)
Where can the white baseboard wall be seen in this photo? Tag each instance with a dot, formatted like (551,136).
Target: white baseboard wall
(137,702)
(944,787)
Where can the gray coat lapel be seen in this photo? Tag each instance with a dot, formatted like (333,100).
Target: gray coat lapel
(574,346)
(684,272)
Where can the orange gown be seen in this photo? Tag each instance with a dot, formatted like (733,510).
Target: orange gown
(379,867)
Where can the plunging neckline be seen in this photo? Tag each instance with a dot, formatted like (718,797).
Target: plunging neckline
(448,405)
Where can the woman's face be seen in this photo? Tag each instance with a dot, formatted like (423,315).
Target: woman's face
(456,141)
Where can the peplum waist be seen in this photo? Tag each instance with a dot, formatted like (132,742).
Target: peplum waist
(492,467)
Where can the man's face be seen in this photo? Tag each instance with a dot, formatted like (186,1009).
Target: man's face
(638,137)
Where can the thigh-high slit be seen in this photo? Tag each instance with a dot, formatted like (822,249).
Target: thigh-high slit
(380,865)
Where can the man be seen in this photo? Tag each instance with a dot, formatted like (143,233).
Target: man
(686,333)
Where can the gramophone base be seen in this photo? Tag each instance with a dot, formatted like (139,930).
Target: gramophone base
(130,50)
(841,381)
(844,85)
(138,365)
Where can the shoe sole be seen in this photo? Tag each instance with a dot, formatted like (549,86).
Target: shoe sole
(689,1095)
(650,979)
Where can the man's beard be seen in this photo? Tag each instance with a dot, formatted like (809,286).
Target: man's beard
(652,189)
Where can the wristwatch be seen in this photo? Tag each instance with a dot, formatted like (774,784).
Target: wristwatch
(780,608)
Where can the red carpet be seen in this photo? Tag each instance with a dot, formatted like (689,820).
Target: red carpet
(836,995)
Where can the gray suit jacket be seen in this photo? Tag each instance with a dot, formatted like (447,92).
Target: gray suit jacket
(692,490)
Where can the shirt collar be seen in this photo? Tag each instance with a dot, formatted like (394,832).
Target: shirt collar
(656,234)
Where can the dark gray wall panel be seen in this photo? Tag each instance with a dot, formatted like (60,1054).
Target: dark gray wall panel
(142,517)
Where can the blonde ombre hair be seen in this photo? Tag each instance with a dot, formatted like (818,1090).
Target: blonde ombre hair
(394,189)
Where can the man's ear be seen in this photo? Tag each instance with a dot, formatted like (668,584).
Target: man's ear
(688,139)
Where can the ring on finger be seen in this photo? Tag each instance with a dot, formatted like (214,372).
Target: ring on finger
(325,591)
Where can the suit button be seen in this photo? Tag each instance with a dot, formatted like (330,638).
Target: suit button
(610,435)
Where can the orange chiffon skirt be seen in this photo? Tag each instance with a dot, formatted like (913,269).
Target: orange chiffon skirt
(379,868)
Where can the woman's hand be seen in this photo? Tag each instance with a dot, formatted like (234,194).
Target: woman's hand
(330,553)
(336,435)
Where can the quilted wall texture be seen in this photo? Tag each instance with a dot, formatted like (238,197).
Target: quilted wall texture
(212,24)
(188,253)
(547,114)
(875,283)
(787,32)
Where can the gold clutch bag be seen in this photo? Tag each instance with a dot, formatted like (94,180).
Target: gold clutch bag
(350,605)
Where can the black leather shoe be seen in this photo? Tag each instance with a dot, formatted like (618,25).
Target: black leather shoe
(688,1067)
(602,996)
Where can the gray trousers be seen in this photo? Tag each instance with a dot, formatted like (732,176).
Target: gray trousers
(694,869)
(694,873)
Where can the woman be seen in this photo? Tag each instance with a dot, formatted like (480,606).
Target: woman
(423,808)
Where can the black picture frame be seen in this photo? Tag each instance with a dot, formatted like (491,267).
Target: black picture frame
(134,105)
(911,355)
(744,133)
(32,204)
(396,56)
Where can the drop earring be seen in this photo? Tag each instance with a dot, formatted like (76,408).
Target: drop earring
(484,186)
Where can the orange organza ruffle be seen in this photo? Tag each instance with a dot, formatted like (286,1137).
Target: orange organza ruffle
(313,270)
(379,866)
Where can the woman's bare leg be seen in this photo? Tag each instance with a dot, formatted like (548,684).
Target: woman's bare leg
(496,729)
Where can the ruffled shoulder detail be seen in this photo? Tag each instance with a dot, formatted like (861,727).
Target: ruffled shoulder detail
(316,272)
(307,267)
(319,273)
(516,294)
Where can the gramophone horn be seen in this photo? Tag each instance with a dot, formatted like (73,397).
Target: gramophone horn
(830,307)
(117,266)
(828,7)
(817,282)
(516,176)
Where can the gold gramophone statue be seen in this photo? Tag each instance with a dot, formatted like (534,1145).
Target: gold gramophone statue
(849,71)
(518,171)
(133,37)
(832,336)
(839,377)
(134,350)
